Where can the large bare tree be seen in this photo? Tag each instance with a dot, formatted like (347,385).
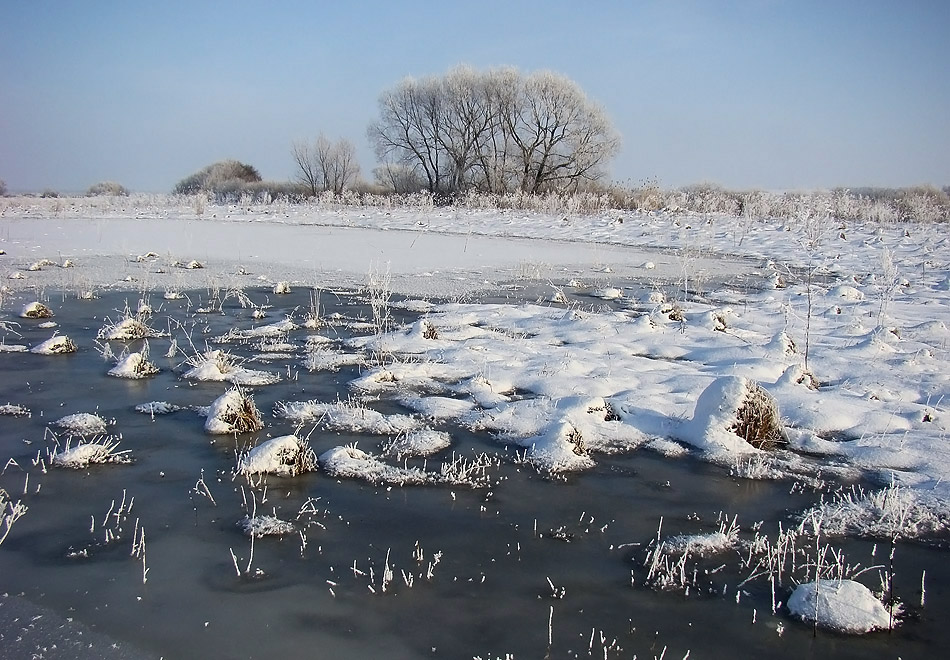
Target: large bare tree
(496,131)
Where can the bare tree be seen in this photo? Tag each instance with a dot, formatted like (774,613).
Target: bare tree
(561,138)
(326,165)
(496,131)
(308,171)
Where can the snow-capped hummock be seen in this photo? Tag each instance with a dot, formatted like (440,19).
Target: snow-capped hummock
(94,452)
(282,287)
(346,416)
(55,345)
(129,328)
(266,525)
(286,456)
(844,606)
(422,442)
(217,365)
(82,424)
(735,414)
(233,412)
(36,310)
(14,410)
(354,463)
(157,408)
(133,365)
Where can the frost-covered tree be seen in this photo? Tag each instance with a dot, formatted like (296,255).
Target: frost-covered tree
(325,165)
(3,187)
(220,176)
(110,188)
(496,131)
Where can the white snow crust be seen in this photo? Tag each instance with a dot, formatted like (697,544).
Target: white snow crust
(845,606)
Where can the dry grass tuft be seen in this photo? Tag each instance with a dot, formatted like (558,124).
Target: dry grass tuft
(758,421)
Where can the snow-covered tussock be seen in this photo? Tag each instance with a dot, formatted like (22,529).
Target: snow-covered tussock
(844,606)
(134,365)
(735,414)
(82,424)
(93,452)
(286,456)
(422,442)
(55,345)
(221,366)
(36,310)
(14,410)
(233,412)
(345,416)
(892,512)
(278,329)
(350,462)
(157,408)
(266,525)
(129,328)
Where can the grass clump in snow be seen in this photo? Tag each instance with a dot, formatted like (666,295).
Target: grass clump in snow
(94,452)
(733,409)
(286,456)
(888,513)
(222,366)
(233,412)
(134,365)
(266,525)
(36,310)
(55,345)
(82,424)
(129,327)
(14,410)
(422,442)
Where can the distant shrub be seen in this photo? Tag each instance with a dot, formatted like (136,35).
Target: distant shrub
(226,174)
(3,187)
(49,194)
(110,188)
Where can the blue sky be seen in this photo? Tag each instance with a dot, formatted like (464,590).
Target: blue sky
(747,94)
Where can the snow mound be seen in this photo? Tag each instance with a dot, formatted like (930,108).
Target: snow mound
(14,410)
(277,329)
(82,424)
(559,449)
(735,414)
(55,345)
(424,442)
(344,416)
(85,454)
(844,606)
(133,365)
(233,412)
(266,525)
(157,408)
(354,463)
(129,328)
(286,456)
(221,366)
(887,513)
(36,310)
(846,292)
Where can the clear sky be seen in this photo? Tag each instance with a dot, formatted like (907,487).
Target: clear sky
(747,93)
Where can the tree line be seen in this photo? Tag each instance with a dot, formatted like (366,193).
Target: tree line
(497,131)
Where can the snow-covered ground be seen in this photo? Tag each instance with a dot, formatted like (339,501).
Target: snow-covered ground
(864,304)
(570,338)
